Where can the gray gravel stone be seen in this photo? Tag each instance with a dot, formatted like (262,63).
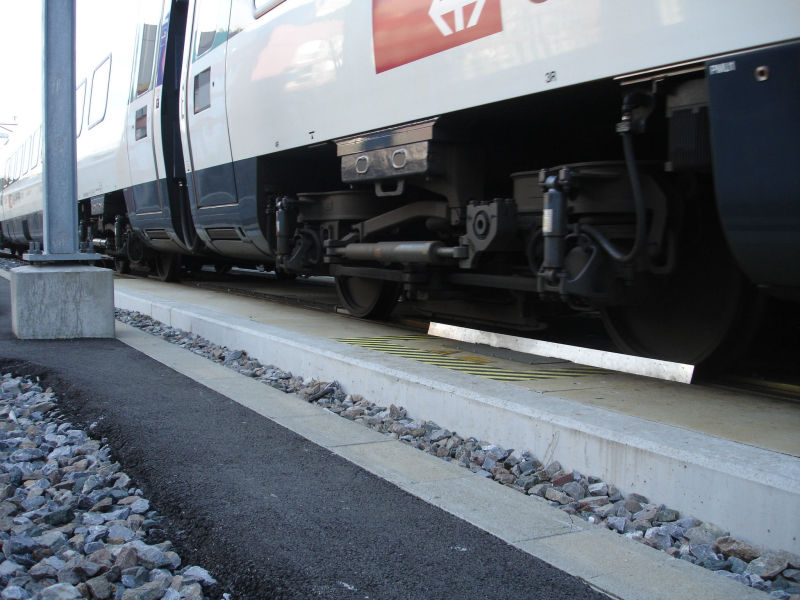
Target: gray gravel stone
(574,489)
(27,455)
(657,538)
(793,574)
(667,515)
(632,503)
(19,544)
(539,489)
(742,550)
(195,574)
(673,530)
(140,507)
(606,510)
(698,535)
(737,565)
(60,591)
(14,592)
(767,566)
(598,489)
(150,556)
(617,524)
(556,495)
(703,552)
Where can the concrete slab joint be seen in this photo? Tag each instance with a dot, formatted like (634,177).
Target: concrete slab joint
(62,302)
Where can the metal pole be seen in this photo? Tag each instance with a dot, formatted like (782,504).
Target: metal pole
(59,186)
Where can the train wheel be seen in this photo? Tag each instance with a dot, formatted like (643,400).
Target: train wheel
(706,314)
(168,267)
(368,298)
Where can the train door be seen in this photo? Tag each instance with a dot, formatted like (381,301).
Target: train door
(147,194)
(207,147)
(167,124)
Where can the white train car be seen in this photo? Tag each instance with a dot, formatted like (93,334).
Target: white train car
(491,160)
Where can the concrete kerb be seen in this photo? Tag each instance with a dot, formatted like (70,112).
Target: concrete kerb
(755,490)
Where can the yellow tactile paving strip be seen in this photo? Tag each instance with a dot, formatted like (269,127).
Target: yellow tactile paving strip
(472,365)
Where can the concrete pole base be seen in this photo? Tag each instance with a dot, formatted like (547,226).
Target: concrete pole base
(62,302)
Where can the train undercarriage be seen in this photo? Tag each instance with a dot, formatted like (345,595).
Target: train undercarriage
(457,215)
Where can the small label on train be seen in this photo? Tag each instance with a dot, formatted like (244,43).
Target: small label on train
(547,220)
(725,67)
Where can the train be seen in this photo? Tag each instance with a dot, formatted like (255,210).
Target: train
(499,162)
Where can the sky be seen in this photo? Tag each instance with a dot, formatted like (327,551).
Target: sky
(20,65)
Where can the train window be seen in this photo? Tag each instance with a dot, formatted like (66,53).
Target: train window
(80,100)
(211,25)
(140,124)
(98,97)
(262,7)
(202,90)
(147,56)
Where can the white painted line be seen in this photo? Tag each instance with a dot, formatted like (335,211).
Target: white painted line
(613,361)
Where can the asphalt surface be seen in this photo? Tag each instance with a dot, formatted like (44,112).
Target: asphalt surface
(268,513)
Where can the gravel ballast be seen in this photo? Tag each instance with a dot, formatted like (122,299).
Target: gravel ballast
(72,523)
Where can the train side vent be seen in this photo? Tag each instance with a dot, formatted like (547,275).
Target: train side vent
(157,234)
(689,140)
(223,233)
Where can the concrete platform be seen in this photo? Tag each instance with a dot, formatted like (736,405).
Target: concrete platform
(611,563)
(753,492)
(62,302)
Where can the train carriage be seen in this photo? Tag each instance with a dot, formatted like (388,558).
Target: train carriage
(498,161)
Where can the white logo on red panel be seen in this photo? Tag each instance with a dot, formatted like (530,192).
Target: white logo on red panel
(440,8)
(405,31)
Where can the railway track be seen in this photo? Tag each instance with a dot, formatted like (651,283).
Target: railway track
(768,369)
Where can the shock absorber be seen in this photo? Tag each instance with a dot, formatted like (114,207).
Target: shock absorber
(285,224)
(554,222)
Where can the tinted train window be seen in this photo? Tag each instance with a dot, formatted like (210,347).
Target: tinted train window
(80,100)
(202,91)
(211,25)
(147,57)
(98,98)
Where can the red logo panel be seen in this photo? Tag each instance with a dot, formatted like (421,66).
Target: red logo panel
(406,30)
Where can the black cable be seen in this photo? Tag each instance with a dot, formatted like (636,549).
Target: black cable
(639,206)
